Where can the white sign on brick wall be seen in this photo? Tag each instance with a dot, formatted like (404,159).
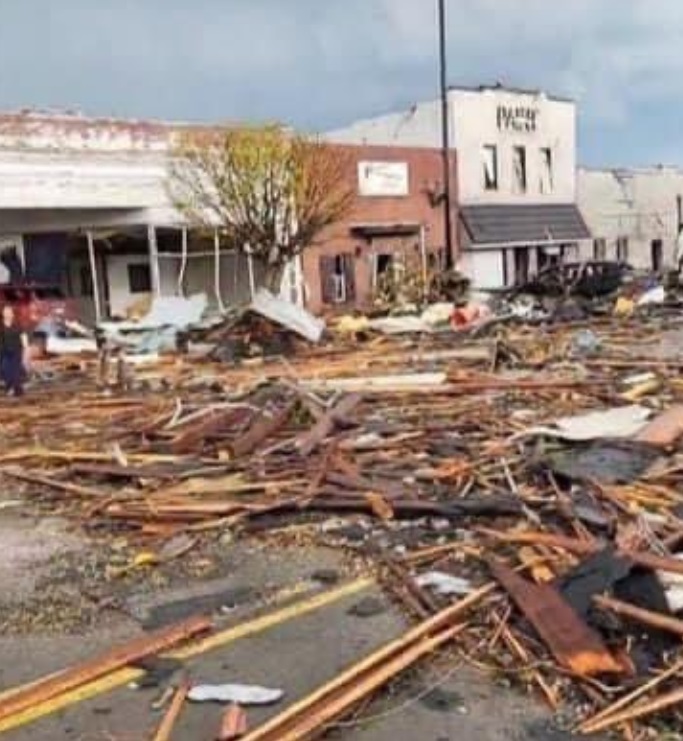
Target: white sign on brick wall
(383,179)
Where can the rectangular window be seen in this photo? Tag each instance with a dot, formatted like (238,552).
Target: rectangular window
(622,249)
(139,278)
(337,278)
(599,249)
(546,180)
(490,166)
(519,170)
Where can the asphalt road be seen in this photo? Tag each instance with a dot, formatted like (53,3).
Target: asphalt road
(435,702)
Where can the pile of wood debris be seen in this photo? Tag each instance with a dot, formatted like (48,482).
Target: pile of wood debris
(544,481)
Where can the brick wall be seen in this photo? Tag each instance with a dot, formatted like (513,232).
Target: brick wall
(425,174)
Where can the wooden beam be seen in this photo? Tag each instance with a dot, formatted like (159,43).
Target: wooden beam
(117,658)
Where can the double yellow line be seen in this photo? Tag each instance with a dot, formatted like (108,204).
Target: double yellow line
(212,642)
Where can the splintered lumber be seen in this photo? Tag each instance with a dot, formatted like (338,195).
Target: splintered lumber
(65,486)
(194,436)
(266,424)
(573,644)
(640,615)
(324,427)
(354,674)
(664,702)
(592,724)
(172,714)
(332,702)
(233,724)
(665,430)
(117,658)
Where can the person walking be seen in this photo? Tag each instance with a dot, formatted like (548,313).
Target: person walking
(13,350)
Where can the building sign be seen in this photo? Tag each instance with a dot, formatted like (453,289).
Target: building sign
(517,118)
(383,178)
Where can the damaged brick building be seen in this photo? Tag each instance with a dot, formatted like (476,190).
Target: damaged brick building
(395,226)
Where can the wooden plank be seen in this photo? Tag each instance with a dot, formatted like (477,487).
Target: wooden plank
(324,427)
(665,430)
(117,658)
(172,714)
(573,644)
(640,615)
(265,425)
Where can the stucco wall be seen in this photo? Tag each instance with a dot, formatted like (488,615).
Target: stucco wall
(639,204)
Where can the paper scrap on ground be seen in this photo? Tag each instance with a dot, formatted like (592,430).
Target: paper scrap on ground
(445,584)
(241,694)
(620,422)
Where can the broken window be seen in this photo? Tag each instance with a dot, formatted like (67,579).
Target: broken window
(599,249)
(139,278)
(546,179)
(490,166)
(622,249)
(519,169)
(337,277)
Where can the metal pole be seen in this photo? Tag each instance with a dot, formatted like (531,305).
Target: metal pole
(445,136)
(94,277)
(217,270)
(183,263)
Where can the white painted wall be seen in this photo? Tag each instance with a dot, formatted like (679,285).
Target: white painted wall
(474,123)
(639,204)
(484,268)
(120,296)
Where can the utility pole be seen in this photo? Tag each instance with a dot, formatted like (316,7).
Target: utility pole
(445,136)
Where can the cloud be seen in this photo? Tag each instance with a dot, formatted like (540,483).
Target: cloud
(318,64)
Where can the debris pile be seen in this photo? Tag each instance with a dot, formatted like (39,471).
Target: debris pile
(520,495)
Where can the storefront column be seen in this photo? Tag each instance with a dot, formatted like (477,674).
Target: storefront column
(94,277)
(155,273)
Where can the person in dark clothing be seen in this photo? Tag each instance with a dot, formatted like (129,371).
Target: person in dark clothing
(13,346)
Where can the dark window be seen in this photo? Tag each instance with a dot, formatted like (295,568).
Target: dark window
(599,249)
(139,278)
(519,170)
(489,156)
(337,278)
(657,254)
(521,264)
(546,180)
(622,249)
(85,281)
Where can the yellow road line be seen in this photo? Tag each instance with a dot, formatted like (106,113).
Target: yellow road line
(125,676)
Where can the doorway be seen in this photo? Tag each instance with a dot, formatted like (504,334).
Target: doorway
(657,255)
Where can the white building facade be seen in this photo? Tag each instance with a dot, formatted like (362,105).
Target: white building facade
(633,214)
(515,179)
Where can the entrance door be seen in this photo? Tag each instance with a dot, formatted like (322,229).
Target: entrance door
(657,255)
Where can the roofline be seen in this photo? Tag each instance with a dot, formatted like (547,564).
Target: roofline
(499,87)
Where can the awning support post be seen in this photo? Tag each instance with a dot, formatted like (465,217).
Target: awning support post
(94,277)
(154,259)
(217,269)
(183,263)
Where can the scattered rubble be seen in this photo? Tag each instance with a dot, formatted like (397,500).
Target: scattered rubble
(519,498)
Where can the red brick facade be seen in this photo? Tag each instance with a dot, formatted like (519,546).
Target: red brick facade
(377,228)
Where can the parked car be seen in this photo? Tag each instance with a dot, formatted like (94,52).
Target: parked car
(35,305)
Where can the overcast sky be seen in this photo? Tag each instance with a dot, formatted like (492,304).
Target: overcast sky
(321,63)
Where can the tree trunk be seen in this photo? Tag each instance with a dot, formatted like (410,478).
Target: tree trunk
(273,277)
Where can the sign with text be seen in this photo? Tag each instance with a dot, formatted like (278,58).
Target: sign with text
(386,179)
(517,118)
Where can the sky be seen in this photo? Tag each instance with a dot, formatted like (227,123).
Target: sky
(319,64)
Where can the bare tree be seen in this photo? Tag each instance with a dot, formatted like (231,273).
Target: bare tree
(270,192)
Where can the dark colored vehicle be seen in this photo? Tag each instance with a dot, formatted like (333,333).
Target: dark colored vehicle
(34,304)
(588,279)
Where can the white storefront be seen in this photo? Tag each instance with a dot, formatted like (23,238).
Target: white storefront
(515,179)
(632,214)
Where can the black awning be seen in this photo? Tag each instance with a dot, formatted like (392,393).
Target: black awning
(386,229)
(500,224)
